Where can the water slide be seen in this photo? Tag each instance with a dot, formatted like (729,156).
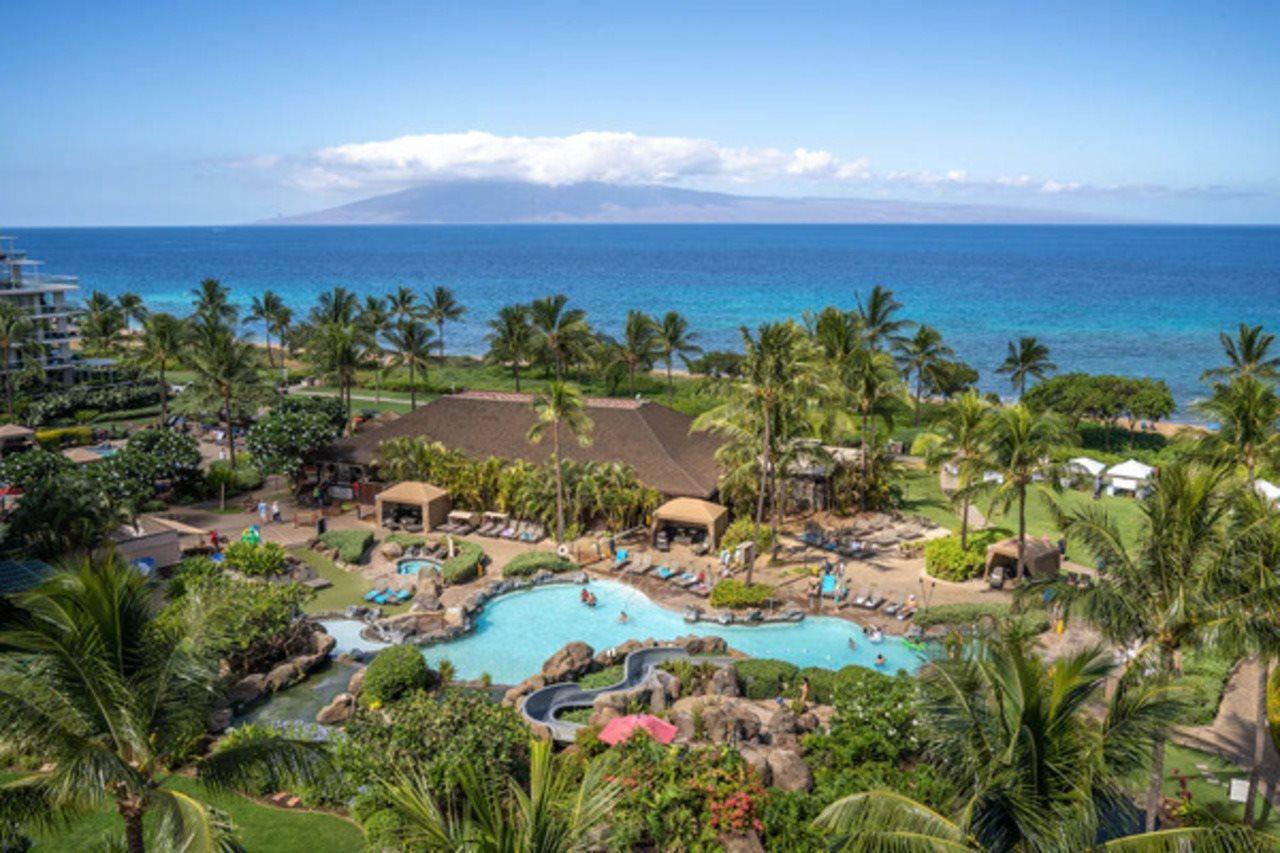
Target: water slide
(542,706)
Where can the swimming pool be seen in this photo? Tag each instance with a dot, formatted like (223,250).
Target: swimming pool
(518,631)
(415,565)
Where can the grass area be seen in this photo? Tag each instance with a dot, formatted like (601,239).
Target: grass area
(922,495)
(348,587)
(606,677)
(1204,677)
(582,716)
(1214,791)
(259,827)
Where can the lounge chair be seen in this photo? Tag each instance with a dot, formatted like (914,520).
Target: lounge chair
(874,601)
(686,580)
(621,560)
(372,594)
(907,612)
(828,588)
(404,594)
(893,607)
(665,573)
(861,598)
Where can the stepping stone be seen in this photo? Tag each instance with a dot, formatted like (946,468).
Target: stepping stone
(1204,767)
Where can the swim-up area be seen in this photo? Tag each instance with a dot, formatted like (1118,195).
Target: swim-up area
(517,632)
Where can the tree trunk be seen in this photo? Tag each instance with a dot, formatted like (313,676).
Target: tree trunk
(164,398)
(8,384)
(271,362)
(919,390)
(671,387)
(1156,783)
(964,520)
(134,837)
(231,433)
(515,372)
(862,490)
(440,330)
(555,457)
(1261,734)
(413,390)
(1022,530)
(764,483)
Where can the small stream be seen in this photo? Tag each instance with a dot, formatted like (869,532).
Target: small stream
(301,702)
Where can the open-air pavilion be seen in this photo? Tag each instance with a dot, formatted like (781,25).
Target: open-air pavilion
(692,515)
(412,505)
(1130,476)
(1040,557)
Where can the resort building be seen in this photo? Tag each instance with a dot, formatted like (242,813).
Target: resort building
(654,440)
(45,299)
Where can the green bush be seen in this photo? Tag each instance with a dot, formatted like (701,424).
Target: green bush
(945,560)
(736,593)
(1204,677)
(260,560)
(55,439)
(407,540)
(464,565)
(743,530)
(61,404)
(531,562)
(1033,621)
(351,544)
(244,478)
(606,677)
(394,673)
(763,678)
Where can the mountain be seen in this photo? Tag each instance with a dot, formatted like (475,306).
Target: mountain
(493,202)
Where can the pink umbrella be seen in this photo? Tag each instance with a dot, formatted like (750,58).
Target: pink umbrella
(620,728)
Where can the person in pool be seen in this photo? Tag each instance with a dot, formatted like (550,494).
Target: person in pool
(880,661)
(623,617)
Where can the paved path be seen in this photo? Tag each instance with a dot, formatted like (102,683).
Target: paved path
(949,483)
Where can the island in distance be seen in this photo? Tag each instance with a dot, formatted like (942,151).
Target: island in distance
(495,202)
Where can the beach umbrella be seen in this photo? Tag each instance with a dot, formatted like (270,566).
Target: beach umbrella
(621,728)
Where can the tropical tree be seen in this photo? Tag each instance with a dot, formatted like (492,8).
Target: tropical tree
(410,342)
(870,379)
(1158,595)
(560,405)
(226,378)
(563,808)
(17,335)
(1028,357)
(162,341)
(675,339)
(335,306)
(267,309)
(511,339)
(376,318)
(131,308)
(878,318)
(639,347)
(1247,412)
(918,355)
(403,305)
(101,323)
(441,307)
(958,438)
(213,303)
(562,332)
(1248,354)
(1017,446)
(109,698)
(338,350)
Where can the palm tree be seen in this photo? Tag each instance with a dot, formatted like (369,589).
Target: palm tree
(511,339)
(226,377)
(561,811)
(1248,354)
(108,697)
(878,318)
(17,334)
(376,318)
(101,324)
(161,342)
(958,438)
(871,379)
(1017,446)
(561,331)
(1028,358)
(675,339)
(131,307)
(560,404)
(403,305)
(442,308)
(411,342)
(918,354)
(1247,412)
(338,350)
(266,309)
(639,346)
(1158,595)
(213,303)
(338,305)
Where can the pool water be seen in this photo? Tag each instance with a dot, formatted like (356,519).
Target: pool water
(517,632)
(412,567)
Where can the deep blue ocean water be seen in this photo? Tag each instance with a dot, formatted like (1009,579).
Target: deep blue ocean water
(1134,300)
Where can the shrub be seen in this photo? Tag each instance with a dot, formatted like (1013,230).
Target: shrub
(743,530)
(260,560)
(351,544)
(55,439)
(763,678)
(245,477)
(1035,621)
(946,560)
(407,540)
(535,561)
(606,677)
(33,466)
(395,672)
(464,565)
(736,593)
(61,404)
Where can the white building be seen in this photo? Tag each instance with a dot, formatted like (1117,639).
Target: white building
(45,299)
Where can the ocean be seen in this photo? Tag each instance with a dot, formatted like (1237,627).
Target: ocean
(1135,300)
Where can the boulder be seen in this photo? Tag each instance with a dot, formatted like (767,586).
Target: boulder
(391,550)
(758,760)
(322,642)
(247,690)
(425,602)
(788,772)
(282,675)
(808,722)
(568,664)
(724,681)
(684,726)
(356,684)
(337,711)
(716,724)
(741,842)
(220,720)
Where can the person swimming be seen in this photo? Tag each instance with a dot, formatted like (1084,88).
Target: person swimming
(880,661)
(623,617)
(853,647)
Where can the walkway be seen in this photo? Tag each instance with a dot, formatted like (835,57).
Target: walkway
(977,521)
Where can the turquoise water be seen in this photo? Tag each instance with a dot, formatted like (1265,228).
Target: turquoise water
(413,566)
(1141,300)
(516,633)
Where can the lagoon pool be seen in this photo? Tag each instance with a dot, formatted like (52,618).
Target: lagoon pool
(518,631)
(414,565)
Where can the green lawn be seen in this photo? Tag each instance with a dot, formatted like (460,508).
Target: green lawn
(1181,760)
(259,827)
(923,496)
(348,587)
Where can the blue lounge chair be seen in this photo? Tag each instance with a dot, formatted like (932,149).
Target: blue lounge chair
(665,573)
(829,586)
(372,594)
(403,595)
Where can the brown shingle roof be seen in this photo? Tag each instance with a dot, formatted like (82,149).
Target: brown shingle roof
(652,438)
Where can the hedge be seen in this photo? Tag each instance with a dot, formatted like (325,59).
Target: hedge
(743,530)
(762,678)
(606,677)
(262,559)
(945,560)
(464,566)
(55,439)
(1036,621)
(104,398)
(535,561)
(735,593)
(351,544)
(394,673)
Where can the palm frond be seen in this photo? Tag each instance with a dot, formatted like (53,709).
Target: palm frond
(887,822)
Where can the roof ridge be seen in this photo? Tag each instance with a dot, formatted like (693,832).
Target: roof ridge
(666,452)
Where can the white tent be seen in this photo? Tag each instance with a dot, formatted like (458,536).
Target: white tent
(993,477)
(1085,465)
(1129,476)
(1268,490)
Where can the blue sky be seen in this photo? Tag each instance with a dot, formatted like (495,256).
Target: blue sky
(171,114)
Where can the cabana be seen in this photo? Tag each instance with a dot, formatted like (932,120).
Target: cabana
(82,455)
(15,439)
(1129,476)
(412,503)
(1269,491)
(692,514)
(1040,556)
(1085,466)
